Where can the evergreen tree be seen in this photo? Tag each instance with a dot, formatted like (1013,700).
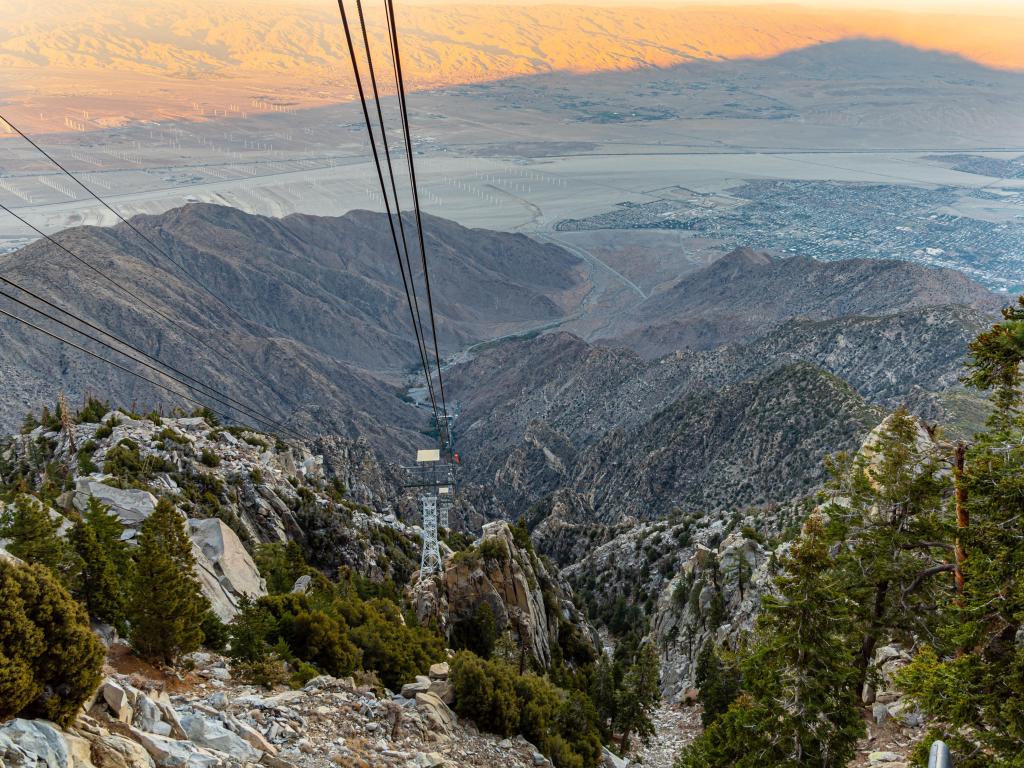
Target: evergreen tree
(33,535)
(108,530)
(50,661)
(717,681)
(98,586)
(604,690)
(638,697)
(799,705)
(894,531)
(974,685)
(166,608)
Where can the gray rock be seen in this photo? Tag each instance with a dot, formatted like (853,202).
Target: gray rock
(302,583)
(130,505)
(207,733)
(422,685)
(436,712)
(444,690)
(118,700)
(883,757)
(428,760)
(113,751)
(33,744)
(226,570)
(174,753)
(612,760)
(880,712)
(439,671)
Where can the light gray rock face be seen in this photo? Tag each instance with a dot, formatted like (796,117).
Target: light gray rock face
(174,753)
(114,751)
(132,506)
(226,570)
(514,587)
(209,733)
(722,584)
(33,744)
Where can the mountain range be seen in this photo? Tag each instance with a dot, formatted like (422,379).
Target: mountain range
(728,386)
(304,318)
(801,359)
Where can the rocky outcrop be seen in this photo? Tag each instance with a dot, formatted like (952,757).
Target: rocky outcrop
(225,569)
(218,723)
(237,488)
(131,505)
(563,527)
(528,599)
(715,598)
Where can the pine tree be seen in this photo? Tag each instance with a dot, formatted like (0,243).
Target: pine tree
(638,697)
(34,535)
(98,586)
(604,689)
(895,532)
(799,704)
(166,608)
(718,683)
(974,685)
(50,661)
(108,530)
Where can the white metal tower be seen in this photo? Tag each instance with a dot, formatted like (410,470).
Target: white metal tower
(430,560)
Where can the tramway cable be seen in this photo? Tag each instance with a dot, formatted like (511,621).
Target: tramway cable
(418,320)
(403,110)
(222,398)
(111,362)
(387,205)
(218,352)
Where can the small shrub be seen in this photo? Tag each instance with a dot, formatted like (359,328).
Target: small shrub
(303,674)
(106,429)
(494,549)
(209,458)
(215,632)
(172,435)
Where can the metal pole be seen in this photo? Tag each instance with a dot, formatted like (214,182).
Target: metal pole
(939,756)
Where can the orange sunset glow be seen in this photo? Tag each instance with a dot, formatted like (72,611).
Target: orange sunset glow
(112,62)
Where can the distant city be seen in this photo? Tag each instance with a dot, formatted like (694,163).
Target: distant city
(833,220)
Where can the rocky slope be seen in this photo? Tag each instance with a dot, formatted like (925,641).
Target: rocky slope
(530,601)
(301,315)
(745,294)
(742,423)
(209,720)
(237,489)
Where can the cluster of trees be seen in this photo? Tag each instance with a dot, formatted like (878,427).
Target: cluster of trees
(333,628)
(922,543)
(563,724)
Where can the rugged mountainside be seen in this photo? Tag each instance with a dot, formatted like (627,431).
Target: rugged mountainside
(740,424)
(745,294)
(316,307)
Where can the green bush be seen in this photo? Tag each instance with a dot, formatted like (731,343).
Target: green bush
(395,651)
(215,632)
(563,725)
(93,411)
(172,435)
(209,458)
(106,429)
(311,634)
(50,661)
(494,549)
